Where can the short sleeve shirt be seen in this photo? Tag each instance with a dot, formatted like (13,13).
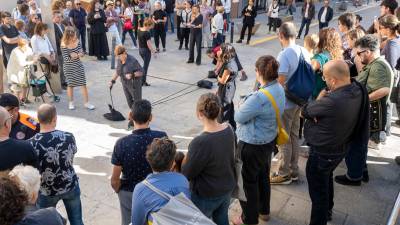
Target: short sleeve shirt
(78,16)
(288,62)
(9,32)
(130,153)
(143,37)
(378,74)
(159,15)
(55,150)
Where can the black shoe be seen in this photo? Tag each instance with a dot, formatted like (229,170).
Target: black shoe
(365,178)
(397,160)
(190,61)
(343,180)
(146,84)
(180,48)
(157,50)
(239,41)
(247,42)
(329,216)
(99,58)
(186,48)
(105,58)
(198,63)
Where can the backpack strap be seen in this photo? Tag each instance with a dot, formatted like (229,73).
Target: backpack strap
(156,190)
(272,100)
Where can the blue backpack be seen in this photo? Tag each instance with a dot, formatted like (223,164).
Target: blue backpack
(301,84)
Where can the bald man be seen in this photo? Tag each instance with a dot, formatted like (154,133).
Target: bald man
(330,124)
(13,152)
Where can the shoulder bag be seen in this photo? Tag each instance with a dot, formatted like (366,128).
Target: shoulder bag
(282,137)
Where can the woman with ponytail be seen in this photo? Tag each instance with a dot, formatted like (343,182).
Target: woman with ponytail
(209,164)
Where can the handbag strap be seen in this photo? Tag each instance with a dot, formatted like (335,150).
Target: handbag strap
(272,100)
(156,190)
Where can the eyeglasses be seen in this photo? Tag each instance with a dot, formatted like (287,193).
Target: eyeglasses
(361,52)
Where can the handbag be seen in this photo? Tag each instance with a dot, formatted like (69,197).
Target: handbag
(128,25)
(282,137)
(238,191)
(178,210)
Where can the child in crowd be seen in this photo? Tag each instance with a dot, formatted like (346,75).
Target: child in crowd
(310,43)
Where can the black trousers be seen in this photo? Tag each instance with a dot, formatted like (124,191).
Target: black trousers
(178,27)
(272,23)
(249,27)
(323,25)
(304,22)
(255,172)
(185,33)
(145,53)
(132,90)
(130,32)
(195,39)
(82,36)
(159,33)
(319,171)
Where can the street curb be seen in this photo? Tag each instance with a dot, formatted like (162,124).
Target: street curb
(270,38)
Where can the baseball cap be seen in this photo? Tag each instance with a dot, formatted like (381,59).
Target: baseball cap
(8,100)
(109,2)
(391,4)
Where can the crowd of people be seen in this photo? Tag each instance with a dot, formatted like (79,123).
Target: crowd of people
(338,91)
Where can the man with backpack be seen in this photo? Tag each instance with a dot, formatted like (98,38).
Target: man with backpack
(294,62)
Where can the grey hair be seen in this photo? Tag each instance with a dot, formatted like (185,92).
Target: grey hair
(28,179)
(288,30)
(161,154)
(369,41)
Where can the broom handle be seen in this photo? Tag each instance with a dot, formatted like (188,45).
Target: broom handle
(112,102)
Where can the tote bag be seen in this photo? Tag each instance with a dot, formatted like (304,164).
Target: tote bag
(179,210)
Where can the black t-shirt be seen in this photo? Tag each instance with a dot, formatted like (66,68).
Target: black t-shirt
(210,163)
(197,21)
(143,37)
(159,15)
(14,152)
(10,32)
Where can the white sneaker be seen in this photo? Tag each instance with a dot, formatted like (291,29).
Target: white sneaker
(71,106)
(89,106)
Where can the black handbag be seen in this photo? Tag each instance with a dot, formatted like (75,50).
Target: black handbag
(377,110)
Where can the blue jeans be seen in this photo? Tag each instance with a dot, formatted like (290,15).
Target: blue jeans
(171,19)
(304,22)
(214,208)
(82,36)
(356,159)
(71,200)
(319,172)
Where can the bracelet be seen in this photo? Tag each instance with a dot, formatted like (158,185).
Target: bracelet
(113,81)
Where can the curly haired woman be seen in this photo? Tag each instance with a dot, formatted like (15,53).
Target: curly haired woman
(12,201)
(329,47)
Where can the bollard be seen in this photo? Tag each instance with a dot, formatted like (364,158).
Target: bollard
(232,30)
(113,43)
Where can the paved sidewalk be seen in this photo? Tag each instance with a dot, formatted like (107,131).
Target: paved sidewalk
(171,77)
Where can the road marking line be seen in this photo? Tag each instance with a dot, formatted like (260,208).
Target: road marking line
(270,38)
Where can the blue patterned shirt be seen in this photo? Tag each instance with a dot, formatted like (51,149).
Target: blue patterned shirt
(55,150)
(130,154)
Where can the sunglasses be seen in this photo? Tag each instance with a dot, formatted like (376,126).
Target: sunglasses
(77,3)
(361,52)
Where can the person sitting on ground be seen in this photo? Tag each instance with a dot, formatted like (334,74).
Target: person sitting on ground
(129,157)
(209,164)
(346,101)
(23,126)
(18,71)
(56,150)
(311,43)
(28,179)
(13,152)
(160,155)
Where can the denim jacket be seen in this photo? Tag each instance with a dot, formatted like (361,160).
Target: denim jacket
(256,117)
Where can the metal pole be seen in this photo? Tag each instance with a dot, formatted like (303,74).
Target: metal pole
(232,31)
(113,43)
(395,212)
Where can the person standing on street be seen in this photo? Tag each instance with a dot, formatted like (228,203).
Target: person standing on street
(249,14)
(207,12)
(112,22)
(343,101)
(59,29)
(186,16)
(289,58)
(77,17)
(9,36)
(145,47)
(377,76)
(169,10)
(325,15)
(55,150)
(129,157)
(98,44)
(273,15)
(196,35)
(308,12)
(159,18)
(130,72)
(179,6)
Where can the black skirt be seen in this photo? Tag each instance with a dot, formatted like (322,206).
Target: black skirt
(98,45)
